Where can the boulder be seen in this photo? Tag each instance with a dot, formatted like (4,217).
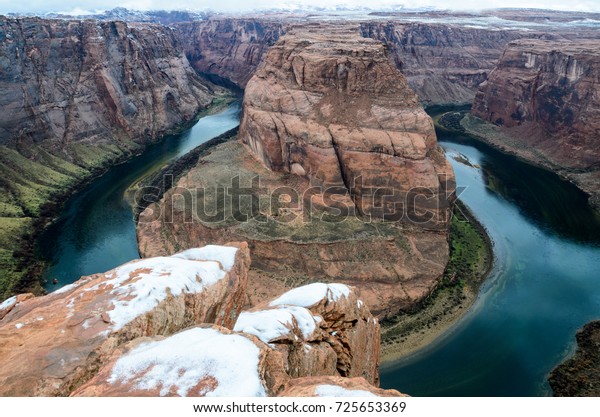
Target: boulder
(334,386)
(321,329)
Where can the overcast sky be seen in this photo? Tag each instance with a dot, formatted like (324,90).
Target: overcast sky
(240,5)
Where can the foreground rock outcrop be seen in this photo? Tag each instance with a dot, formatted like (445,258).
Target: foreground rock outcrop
(332,386)
(341,179)
(321,329)
(51,345)
(163,327)
(545,96)
(197,362)
(579,376)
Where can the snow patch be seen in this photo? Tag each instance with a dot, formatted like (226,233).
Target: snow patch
(142,285)
(8,303)
(223,254)
(180,362)
(336,391)
(65,289)
(270,325)
(311,294)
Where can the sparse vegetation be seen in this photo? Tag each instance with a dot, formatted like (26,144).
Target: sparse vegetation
(470,261)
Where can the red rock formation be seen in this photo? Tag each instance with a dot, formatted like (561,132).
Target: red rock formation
(51,345)
(321,329)
(334,386)
(327,105)
(546,95)
(325,109)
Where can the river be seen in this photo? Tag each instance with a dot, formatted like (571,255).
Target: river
(96,231)
(545,283)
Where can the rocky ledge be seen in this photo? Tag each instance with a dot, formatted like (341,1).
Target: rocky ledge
(545,97)
(579,376)
(171,326)
(336,176)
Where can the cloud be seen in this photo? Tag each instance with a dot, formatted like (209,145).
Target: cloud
(241,5)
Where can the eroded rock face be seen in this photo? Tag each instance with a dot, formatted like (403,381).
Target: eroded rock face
(546,96)
(321,329)
(197,362)
(51,345)
(102,82)
(327,105)
(444,64)
(229,48)
(551,87)
(334,386)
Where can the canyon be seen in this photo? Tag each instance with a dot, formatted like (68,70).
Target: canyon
(79,96)
(335,180)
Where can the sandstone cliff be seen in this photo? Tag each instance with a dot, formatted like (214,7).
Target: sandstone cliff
(327,105)
(78,96)
(341,168)
(545,95)
(228,48)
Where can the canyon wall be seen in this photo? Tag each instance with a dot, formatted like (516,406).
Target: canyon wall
(228,48)
(545,95)
(76,97)
(444,64)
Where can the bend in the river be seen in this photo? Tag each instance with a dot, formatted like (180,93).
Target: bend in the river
(96,231)
(544,286)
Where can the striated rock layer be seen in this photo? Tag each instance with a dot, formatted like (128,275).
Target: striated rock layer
(327,105)
(546,96)
(50,345)
(341,179)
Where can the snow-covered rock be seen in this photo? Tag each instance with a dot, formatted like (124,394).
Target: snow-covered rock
(334,386)
(321,329)
(54,343)
(202,361)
